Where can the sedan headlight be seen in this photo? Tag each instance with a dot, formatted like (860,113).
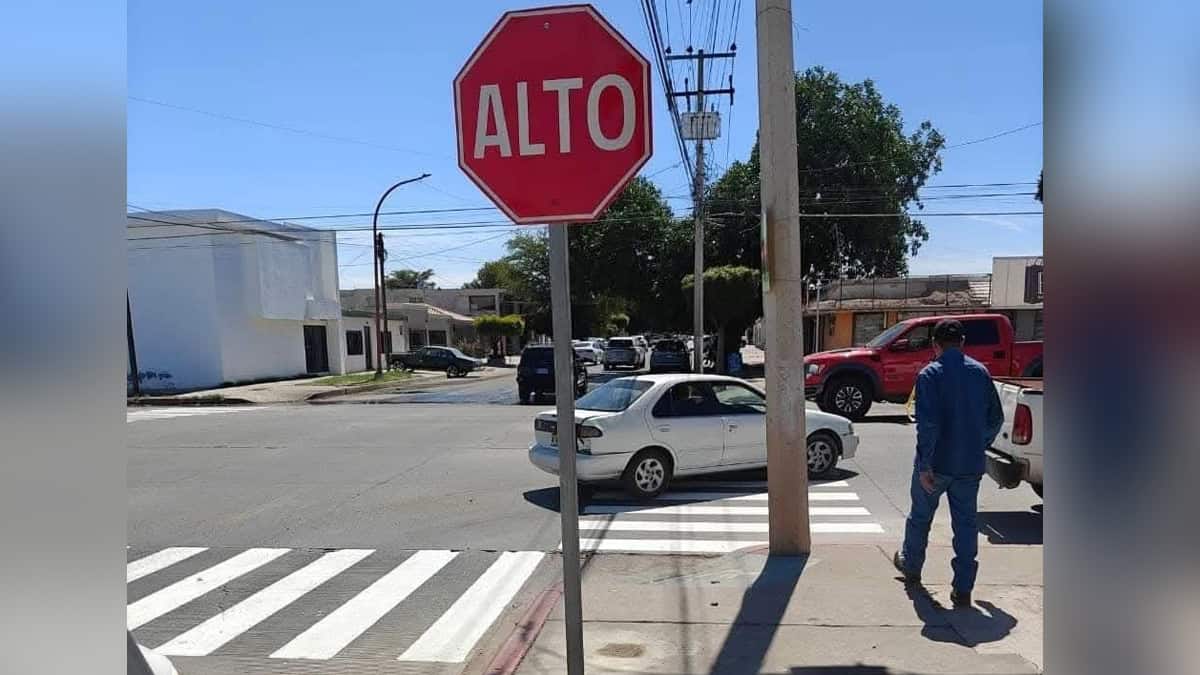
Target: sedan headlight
(812,369)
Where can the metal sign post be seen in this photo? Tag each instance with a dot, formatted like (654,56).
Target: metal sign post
(568,486)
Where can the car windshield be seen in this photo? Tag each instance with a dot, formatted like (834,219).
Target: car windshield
(887,335)
(620,343)
(614,395)
(669,346)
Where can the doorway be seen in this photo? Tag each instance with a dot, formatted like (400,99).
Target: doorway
(316,349)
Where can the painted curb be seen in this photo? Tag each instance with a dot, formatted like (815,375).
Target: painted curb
(508,658)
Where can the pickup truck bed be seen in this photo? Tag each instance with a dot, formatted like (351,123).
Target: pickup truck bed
(1016,455)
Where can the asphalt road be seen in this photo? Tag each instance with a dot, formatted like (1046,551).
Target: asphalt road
(434,479)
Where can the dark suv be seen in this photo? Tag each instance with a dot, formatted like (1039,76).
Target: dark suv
(535,373)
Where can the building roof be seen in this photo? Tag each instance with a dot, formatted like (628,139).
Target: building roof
(147,223)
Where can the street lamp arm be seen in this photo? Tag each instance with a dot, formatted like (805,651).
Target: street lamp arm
(378,274)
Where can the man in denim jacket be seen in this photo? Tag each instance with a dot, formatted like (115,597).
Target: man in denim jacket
(958,416)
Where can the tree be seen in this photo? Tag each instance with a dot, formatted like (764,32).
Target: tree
(732,301)
(493,274)
(617,324)
(854,157)
(493,327)
(406,278)
(1038,195)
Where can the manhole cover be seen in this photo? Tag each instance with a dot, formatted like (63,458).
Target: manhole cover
(622,650)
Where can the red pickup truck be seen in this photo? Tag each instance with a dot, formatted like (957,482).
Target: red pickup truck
(846,381)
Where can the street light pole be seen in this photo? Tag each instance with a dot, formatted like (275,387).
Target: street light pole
(379,277)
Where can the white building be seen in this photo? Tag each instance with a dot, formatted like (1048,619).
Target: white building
(1017,291)
(217,298)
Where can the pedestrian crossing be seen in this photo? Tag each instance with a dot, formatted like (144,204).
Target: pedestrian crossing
(697,518)
(308,605)
(167,413)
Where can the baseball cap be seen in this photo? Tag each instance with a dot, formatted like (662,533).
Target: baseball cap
(948,330)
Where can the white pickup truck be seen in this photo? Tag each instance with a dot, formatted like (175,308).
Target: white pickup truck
(1016,454)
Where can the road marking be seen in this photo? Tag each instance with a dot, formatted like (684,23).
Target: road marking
(452,637)
(182,592)
(331,634)
(144,414)
(729,496)
(220,629)
(715,510)
(158,561)
(685,527)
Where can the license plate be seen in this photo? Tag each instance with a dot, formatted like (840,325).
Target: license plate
(543,371)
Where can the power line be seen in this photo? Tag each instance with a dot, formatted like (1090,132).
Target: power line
(994,136)
(280,127)
(321,217)
(435,253)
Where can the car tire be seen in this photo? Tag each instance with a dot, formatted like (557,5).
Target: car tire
(524,396)
(1037,489)
(823,450)
(850,397)
(647,474)
(452,371)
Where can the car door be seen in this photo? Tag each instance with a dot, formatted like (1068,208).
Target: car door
(901,365)
(744,413)
(687,419)
(983,343)
(433,358)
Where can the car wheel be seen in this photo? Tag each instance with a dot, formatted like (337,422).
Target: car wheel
(452,371)
(648,474)
(848,396)
(1037,488)
(822,453)
(524,396)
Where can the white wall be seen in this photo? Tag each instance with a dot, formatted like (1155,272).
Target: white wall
(173,302)
(357,363)
(1008,282)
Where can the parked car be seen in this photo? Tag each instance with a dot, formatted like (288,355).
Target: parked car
(588,351)
(623,352)
(646,430)
(847,381)
(535,373)
(449,359)
(1016,455)
(669,355)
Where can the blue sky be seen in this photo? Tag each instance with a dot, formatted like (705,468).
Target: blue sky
(369,84)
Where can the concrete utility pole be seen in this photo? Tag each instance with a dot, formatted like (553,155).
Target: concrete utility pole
(787,466)
(699,135)
(382,253)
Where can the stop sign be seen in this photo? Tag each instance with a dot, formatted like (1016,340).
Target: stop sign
(553,114)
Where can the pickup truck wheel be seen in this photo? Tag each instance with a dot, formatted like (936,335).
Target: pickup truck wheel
(1037,488)
(847,396)
(647,474)
(823,453)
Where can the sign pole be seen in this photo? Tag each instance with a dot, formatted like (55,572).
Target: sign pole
(787,465)
(568,487)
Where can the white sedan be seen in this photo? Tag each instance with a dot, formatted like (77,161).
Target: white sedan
(588,351)
(645,430)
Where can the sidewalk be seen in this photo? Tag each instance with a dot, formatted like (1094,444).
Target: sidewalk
(304,389)
(842,611)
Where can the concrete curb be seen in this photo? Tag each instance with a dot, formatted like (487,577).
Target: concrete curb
(147,402)
(431,380)
(508,658)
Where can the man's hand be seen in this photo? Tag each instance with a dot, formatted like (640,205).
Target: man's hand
(926,478)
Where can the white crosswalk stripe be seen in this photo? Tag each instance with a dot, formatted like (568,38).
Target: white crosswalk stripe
(167,413)
(711,518)
(318,604)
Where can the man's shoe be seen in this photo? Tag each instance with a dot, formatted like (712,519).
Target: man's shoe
(909,577)
(960,600)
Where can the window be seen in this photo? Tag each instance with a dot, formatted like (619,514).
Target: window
(614,395)
(437,337)
(867,326)
(354,343)
(481,303)
(418,339)
(920,338)
(737,399)
(689,399)
(981,332)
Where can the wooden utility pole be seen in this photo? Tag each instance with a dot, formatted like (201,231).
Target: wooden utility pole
(787,466)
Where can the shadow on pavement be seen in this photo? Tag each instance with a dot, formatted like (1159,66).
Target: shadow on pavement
(1011,527)
(763,606)
(981,623)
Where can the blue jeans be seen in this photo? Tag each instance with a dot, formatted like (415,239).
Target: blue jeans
(963,494)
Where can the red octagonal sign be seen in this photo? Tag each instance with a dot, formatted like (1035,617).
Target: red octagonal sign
(553,114)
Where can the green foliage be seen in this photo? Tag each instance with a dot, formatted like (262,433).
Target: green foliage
(732,301)
(854,157)
(494,274)
(406,278)
(1038,194)
(492,325)
(617,324)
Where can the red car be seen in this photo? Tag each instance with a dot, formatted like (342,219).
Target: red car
(846,381)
